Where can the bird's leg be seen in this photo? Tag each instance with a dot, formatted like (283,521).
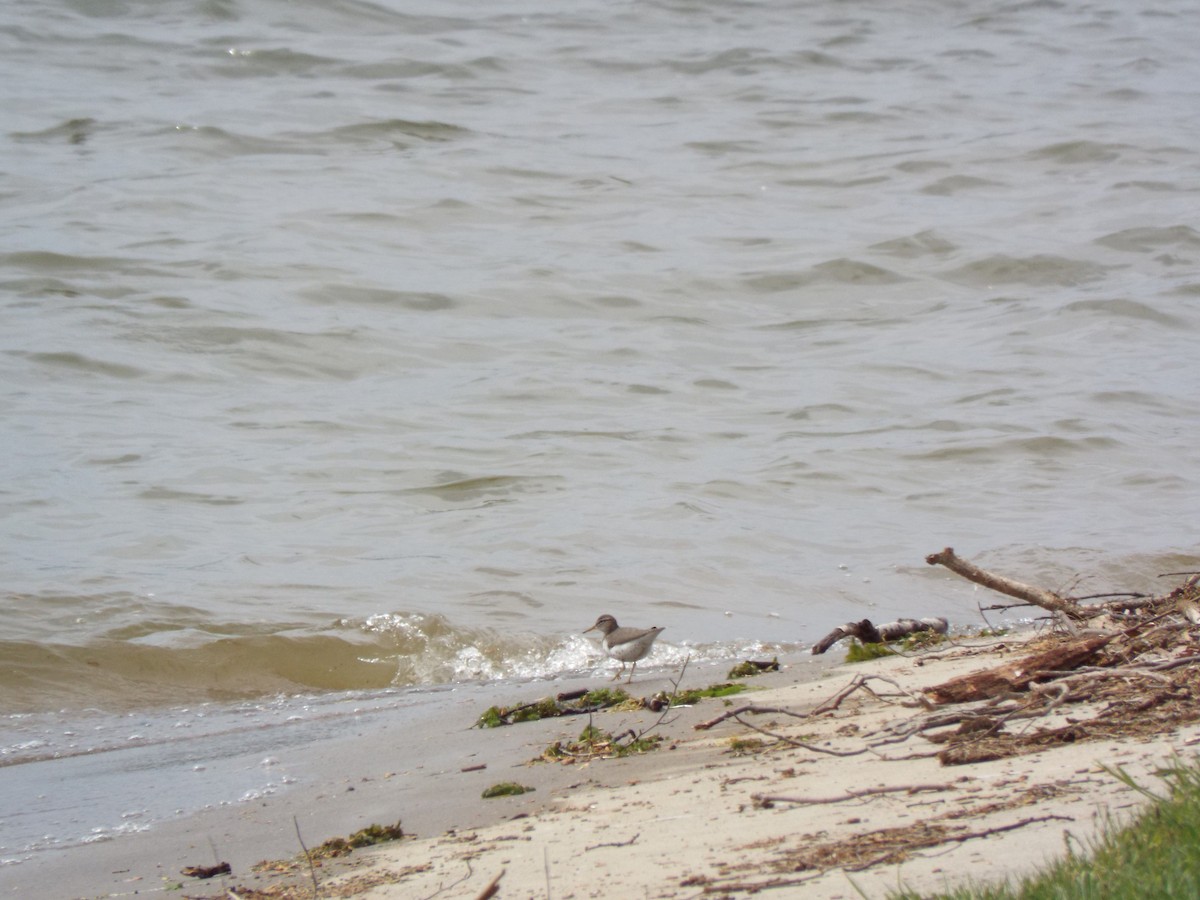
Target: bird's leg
(629,680)
(620,672)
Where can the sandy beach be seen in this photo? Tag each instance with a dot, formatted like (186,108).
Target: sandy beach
(830,805)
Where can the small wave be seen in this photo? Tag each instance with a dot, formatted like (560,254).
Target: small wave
(253,63)
(382,651)
(1080,152)
(72,131)
(81,363)
(1123,308)
(218,142)
(1149,240)
(923,243)
(364,296)
(1040,269)
(954,184)
(835,271)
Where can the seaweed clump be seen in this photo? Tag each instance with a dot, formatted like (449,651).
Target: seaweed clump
(573,703)
(506,789)
(593,743)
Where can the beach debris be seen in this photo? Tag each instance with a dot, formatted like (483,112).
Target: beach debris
(864,850)
(869,633)
(364,837)
(505,789)
(574,703)
(596,744)
(751,667)
(207,871)
(739,746)
(1134,672)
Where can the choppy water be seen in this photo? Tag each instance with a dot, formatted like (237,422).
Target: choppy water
(350,345)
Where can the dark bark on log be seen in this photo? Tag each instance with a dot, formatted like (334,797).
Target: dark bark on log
(1016,676)
(1037,596)
(869,633)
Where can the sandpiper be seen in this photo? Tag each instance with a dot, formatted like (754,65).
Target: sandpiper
(626,645)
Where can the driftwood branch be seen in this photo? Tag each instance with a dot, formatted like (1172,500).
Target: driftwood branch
(869,633)
(1003,585)
(1030,594)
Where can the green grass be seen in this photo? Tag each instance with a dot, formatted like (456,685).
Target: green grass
(1155,856)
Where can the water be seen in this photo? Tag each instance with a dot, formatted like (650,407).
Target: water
(352,346)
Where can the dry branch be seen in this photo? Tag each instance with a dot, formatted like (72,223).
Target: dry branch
(1037,596)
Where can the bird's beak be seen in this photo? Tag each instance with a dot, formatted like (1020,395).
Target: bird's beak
(586,630)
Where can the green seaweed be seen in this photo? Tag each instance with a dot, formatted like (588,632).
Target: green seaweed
(686,698)
(492,718)
(506,789)
(594,743)
(859,652)
(745,746)
(605,697)
(364,837)
(922,640)
(549,707)
(749,668)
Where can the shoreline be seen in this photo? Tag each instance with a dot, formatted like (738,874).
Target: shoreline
(337,764)
(686,820)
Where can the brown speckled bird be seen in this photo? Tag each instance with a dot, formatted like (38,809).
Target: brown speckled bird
(626,645)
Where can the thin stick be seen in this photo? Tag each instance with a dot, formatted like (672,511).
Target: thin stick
(854,795)
(627,843)
(454,883)
(492,888)
(749,708)
(812,748)
(312,870)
